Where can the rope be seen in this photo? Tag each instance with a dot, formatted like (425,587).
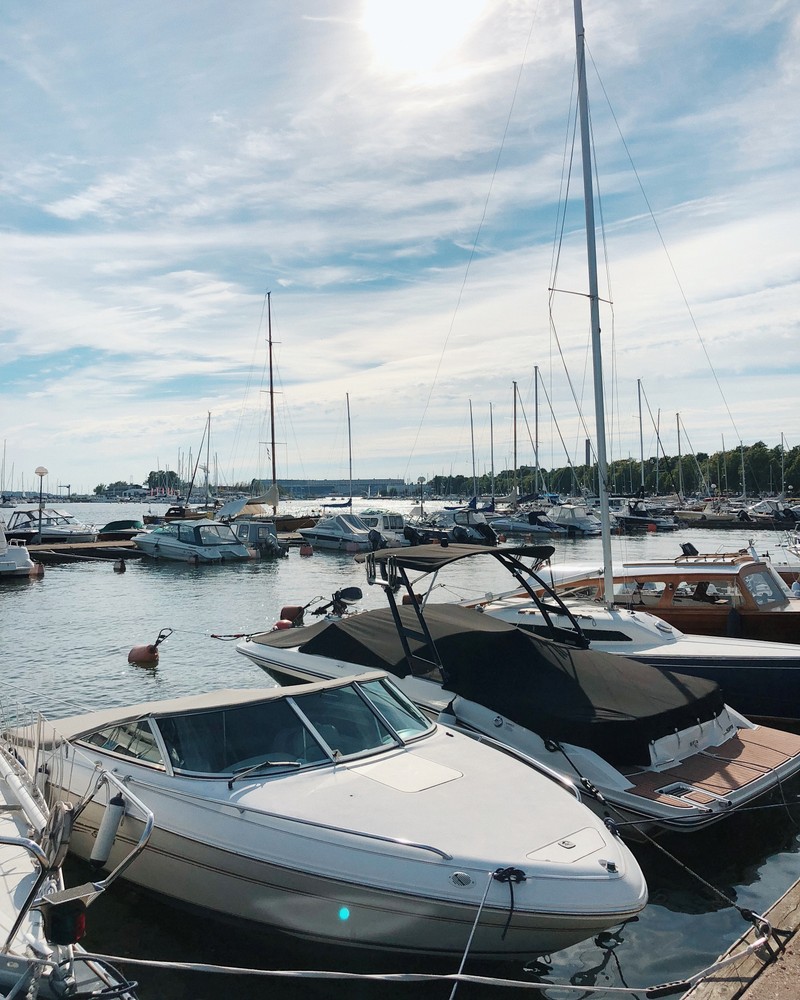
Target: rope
(472,934)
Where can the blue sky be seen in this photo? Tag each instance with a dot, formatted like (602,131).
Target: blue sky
(392,173)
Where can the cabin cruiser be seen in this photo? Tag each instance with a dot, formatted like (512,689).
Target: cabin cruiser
(390,526)
(576,519)
(335,812)
(660,749)
(57,526)
(41,922)
(526,522)
(722,593)
(462,525)
(340,533)
(199,541)
(635,515)
(15,560)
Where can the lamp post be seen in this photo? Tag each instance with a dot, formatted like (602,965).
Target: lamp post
(41,472)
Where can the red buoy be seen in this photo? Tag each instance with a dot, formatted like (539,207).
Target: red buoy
(306,549)
(147,656)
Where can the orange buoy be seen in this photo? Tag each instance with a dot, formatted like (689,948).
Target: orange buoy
(147,656)
(306,549)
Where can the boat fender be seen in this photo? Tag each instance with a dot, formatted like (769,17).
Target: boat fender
(306,550)
(112,819)
(292,613)
(282,624)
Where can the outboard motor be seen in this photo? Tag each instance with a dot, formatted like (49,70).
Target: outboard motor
(376,540)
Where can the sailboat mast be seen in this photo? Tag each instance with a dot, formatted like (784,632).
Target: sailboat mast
(680,459)
(491,450)
(349,448)
(536,427)
(516,492)
(472,439)
(271,396)
(594,304)
(641,436)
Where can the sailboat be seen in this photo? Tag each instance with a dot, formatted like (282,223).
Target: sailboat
(343,532)
(254,510)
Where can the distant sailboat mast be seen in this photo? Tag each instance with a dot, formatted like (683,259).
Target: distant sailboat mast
(271,404)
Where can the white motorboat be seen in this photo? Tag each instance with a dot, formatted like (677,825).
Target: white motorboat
(660,748)
(525,522)
(576,519)
(41,922)
(337,812)
(389,525)
(57,526)
(339,533)
(15,560)
(199,541)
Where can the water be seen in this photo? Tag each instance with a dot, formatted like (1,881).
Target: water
(64,649)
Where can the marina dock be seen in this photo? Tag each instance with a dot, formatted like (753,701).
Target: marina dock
(76,551)
(764,974)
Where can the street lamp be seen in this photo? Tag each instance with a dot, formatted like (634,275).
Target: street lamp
(41,472)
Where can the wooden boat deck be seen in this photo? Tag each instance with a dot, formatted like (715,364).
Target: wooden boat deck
(749,755)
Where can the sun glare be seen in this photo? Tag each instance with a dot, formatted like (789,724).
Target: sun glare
(413,36)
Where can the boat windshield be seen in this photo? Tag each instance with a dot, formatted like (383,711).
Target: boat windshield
(218,534)
(282,733)
(765,587)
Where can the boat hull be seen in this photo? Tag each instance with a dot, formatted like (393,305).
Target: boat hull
(326,910)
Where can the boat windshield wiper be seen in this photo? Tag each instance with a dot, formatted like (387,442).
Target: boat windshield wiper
(244,772)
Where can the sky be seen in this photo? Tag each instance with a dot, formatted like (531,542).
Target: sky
(404,180)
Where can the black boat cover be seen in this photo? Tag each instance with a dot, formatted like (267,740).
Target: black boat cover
(607,703)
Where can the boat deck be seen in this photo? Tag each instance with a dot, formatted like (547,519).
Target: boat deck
(699,779)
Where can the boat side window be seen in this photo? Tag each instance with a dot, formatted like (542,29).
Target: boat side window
(132,739)
(639,593)
(344,720)
(228,739)
(168,530)
(214,534)
(763,588)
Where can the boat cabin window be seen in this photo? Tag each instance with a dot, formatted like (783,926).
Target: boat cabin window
(168,531)
(639,593)
(694,593)
(216,534)
(131,739)
(764,588)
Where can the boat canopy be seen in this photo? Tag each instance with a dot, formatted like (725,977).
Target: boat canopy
(431,558)
(605,702)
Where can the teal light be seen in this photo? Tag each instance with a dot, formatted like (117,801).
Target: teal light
(344,913)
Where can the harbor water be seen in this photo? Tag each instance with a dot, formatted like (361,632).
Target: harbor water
(63,649)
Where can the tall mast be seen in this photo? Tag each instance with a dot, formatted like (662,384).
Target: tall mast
(641,436)
(594,305)
(680,460)
(271,396)
(516,491)
(349,448)
(536,427)
(472,439)
(491,450)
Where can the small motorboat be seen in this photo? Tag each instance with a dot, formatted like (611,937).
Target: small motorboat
(661,749)
(57,527)
(199,541)
(120,531)
(340,533)
(15,560)
(41,922)
(526,522)
(337,813)
(576,519)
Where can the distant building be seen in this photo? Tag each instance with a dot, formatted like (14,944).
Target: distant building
(314,489)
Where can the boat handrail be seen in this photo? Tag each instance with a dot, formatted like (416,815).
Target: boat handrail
(295,819)
(39,856)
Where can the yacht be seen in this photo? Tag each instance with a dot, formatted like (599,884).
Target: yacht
(337,812)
